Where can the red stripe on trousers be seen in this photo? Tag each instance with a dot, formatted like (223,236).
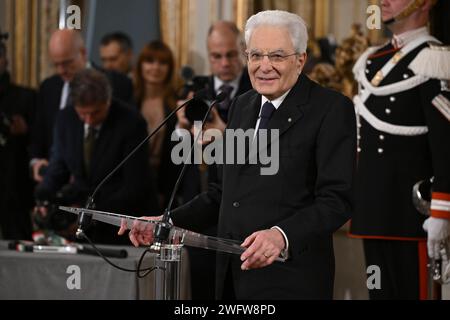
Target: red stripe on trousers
(423,272)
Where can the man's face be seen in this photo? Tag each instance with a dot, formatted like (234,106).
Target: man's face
(67,62)
(224,55)
(273,78)
(114,58)
(391,8)
(94,114)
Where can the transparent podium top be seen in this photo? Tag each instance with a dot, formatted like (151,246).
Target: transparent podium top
(177,235)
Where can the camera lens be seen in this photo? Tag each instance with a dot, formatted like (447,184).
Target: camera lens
(196,110)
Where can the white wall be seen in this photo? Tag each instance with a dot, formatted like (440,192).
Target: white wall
(2,15)
(203,13)
(344,13)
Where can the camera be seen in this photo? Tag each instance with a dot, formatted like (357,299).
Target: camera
(197,108)
(56,219)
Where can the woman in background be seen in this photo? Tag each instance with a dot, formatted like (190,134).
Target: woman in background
(155,97)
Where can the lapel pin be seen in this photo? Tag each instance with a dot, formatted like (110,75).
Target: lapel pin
(290,120)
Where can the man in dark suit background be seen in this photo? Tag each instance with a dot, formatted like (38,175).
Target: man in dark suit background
(91,138)
(17,106)
(228,73)
(68,54)
(116,53)
(294,212)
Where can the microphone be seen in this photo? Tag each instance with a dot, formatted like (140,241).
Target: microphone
(84,219)
(187,74)
(162,230)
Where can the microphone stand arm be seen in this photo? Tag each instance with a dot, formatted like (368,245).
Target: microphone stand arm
(85,219)
(162,231)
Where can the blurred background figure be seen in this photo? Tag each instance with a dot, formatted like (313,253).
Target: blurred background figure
(229,74)
(91,137)
(17,106)
(155,98)
(116,53)
(68,55)
(338,74)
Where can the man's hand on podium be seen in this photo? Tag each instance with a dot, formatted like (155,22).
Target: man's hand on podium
(263,247)
(141,233)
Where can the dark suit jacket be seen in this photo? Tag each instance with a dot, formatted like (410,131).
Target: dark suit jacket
(309,198)
(191,183)
(16,188)
(49,98)
(383,203)
(130,189)
(203,263)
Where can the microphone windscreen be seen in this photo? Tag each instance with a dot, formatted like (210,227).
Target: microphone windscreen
(221,96)
(202,94)
(187,73)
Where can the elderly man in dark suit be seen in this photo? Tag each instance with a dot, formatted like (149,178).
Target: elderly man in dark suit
(91,138)
(68,54)
(293,212)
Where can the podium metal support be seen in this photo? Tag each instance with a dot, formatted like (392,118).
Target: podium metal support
(170,258)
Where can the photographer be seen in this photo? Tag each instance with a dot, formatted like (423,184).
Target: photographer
(225,48)
(91,138)
(17,106)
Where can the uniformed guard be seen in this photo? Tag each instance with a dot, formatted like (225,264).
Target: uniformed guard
(403,137)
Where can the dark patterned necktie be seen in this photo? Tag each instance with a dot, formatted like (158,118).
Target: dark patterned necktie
(225,104)
(266,114)
(88,148)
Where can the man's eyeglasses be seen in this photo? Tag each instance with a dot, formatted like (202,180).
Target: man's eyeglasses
(274,57)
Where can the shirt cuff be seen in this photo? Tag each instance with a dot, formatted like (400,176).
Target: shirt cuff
(285,252)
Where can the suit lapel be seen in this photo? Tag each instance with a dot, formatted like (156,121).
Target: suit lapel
(290,111)
(250,113)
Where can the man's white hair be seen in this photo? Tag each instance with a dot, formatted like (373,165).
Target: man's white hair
(295,25)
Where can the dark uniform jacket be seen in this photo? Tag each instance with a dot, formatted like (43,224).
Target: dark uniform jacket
(389,164)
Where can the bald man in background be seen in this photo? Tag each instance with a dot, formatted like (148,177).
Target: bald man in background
(68,54)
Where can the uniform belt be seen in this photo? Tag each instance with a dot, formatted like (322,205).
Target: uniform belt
(383,126)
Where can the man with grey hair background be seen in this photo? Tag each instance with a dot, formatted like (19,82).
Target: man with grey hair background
(293,213)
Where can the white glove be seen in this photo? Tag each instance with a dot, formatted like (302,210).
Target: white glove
(438,231)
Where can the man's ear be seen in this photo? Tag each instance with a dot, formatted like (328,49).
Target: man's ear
(428,5)
(301,60)
(83,53)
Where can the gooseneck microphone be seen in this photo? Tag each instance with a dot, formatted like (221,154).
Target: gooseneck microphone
(162,230)
(84,219)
